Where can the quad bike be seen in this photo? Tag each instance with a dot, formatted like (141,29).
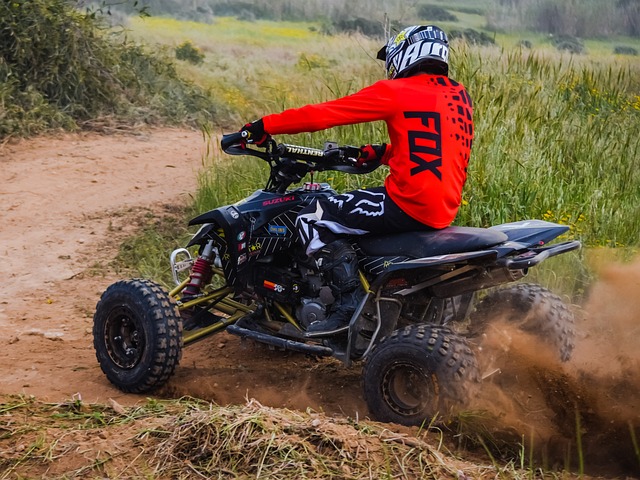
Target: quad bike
(248,277)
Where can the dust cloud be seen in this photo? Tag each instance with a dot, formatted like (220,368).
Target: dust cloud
(531,405)
(582,414)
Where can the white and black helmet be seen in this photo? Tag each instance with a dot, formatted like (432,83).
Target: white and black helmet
(415,46)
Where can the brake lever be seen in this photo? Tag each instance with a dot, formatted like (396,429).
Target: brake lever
(351,154)
(334,154)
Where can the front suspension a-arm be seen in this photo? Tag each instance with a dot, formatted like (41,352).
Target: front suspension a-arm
(229,312)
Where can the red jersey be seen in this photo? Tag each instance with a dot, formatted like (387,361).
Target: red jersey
(430,124)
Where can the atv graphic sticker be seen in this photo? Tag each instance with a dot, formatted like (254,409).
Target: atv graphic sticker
(278,229)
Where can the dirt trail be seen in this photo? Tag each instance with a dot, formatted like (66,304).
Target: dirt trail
(63,199)
(68,201)
(60,194)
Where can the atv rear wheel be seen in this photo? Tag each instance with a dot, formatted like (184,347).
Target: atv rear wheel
(419,372)
(533,309)
(137,335)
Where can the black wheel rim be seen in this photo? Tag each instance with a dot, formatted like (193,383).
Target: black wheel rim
(406,389)
(124,337)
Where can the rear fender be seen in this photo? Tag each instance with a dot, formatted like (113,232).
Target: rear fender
(531,232)
(534,256)
(438,264)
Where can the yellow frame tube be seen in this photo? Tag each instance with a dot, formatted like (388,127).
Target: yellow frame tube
(194,335)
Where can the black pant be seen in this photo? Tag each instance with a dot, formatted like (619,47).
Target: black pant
(357,212)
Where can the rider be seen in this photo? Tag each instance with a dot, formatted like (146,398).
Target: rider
(430,125)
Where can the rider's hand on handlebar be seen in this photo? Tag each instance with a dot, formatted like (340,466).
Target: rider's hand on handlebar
(370,153)
(256,133)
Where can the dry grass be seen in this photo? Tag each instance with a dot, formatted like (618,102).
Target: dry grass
(257,441)
(193,439)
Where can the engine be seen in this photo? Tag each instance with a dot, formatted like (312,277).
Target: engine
(304,289)
(314,309)
(277,283)
(311,310)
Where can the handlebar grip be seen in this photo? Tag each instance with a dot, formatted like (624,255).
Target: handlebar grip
(235,144)
(232,139)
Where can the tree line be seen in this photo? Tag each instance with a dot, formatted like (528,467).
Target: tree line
(581,18)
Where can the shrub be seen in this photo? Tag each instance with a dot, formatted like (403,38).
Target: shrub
(583,18)
(568,43)
(189,52)
(472,36)
(365,26)
(241,10)
(624,50)
(435,13)
(470,10)
(60,68)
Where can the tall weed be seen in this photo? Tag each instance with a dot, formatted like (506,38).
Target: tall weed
(62,68)
(555,139)
(556,135)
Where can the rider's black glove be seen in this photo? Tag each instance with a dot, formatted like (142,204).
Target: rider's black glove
(370,153)
(256,133)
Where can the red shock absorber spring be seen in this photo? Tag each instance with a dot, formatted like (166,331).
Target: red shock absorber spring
(200,275)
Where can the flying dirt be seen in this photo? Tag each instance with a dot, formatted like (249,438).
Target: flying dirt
(589,406)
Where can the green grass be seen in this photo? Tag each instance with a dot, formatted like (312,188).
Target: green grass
(147,253)
(555,139)
(223,29)
(556,135)
(256,67)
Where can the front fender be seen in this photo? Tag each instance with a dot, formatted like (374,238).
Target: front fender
(201,234)
(228,227)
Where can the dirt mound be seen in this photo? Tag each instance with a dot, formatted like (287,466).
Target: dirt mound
(189,438)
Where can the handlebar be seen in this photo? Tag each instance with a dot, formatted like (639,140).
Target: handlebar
(332,157)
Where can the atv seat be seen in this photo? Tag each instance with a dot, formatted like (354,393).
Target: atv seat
(429,243)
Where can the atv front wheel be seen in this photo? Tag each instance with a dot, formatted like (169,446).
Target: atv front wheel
(137,335)
(419,372)
(531,308)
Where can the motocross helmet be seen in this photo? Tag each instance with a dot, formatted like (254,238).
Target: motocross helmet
(414,47)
